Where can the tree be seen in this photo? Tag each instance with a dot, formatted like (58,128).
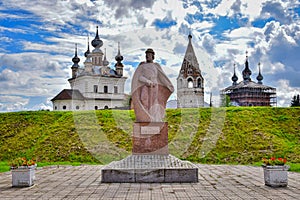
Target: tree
(295,101)
(226,101)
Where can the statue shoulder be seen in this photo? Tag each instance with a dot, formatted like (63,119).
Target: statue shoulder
(158,66)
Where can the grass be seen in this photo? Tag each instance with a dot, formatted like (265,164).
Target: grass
(4,166)
(235,135)
(294,167)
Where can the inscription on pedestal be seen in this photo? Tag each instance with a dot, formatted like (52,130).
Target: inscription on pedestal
(150,138)
(150,130)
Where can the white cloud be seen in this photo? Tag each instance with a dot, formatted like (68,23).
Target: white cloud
(285,92)
(12,103)
(209,44)
(41,106)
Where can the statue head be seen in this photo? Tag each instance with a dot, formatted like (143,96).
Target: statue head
(149,55)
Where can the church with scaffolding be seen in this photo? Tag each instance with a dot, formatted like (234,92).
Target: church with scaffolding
(248,92)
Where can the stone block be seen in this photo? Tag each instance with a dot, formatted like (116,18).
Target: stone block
(149,175)
(118,176)
(187,175)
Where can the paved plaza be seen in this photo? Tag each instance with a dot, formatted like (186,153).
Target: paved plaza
(215,182)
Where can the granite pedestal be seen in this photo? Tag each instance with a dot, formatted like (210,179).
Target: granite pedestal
(150,138)
(150,169)
(150,161)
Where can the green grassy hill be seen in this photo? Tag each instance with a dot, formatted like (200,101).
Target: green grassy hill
(234,135)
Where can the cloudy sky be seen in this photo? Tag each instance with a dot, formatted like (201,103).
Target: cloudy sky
(37,41)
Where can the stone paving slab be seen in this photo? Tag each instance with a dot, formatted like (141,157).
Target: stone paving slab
(215,182)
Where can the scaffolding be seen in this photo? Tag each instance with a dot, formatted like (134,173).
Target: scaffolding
(251,94)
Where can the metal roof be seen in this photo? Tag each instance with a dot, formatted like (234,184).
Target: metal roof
(69,94)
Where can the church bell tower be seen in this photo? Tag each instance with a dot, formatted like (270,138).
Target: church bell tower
(190,83)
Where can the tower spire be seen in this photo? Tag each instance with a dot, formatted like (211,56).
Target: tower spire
(247,72)
(190,63)
(75,60)
(234,78)
(88,47)
(190,37)
(259,76)
(119,57)
(190,83)
(97,42)
(105,62)
(119,65)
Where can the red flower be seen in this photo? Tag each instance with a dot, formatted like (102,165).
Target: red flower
(274,161)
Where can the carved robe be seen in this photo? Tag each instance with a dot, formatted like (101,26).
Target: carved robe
(150,101)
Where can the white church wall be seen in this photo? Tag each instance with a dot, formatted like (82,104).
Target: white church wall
(67,105)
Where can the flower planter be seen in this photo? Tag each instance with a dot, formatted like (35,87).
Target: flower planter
(276,176)
(23,176)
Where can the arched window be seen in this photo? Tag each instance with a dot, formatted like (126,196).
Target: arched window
(190,83)
(105,107)
(96,107)
(105,89)
(199,83)
(95,88)
(64,107)
(190,70)
(77,107)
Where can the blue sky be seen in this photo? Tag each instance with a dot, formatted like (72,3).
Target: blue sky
(37,40)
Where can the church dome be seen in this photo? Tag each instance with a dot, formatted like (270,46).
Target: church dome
(97,42)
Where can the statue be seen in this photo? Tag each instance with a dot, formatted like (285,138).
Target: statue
(150,89)
(150,161)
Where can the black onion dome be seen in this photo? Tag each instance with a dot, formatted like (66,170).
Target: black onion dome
(75,59)
(259,76)
(88,49)
(97,42)
(234,78)
(87,53)
(119,57)
(247,72)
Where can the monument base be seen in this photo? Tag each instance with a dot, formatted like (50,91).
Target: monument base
(150,169)
(150,138)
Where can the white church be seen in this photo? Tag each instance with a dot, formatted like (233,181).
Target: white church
(96,85)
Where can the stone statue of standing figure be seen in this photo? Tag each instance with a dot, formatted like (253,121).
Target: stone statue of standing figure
(150,89)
